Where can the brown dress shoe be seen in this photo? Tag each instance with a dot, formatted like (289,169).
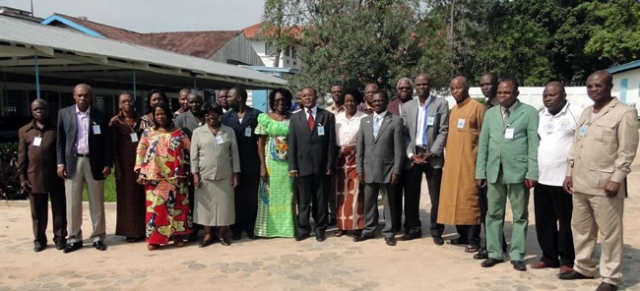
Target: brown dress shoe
(606,287)
(573,275)
(565,269)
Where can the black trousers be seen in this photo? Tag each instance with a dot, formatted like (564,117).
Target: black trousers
(553,207)
(312,190)
(470,233)
(413,184)
(40,215)
(246,203)
(395,202)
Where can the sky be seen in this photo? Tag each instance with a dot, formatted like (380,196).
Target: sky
(153,15)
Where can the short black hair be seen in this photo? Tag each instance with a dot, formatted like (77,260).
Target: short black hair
(240,91)
(383,93)
(288,98)
(167,112)
(513,81)
(211,107)
(164,97)
(353,92)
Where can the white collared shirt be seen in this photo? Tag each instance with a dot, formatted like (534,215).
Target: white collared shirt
(347,128)
(314,111)
(420,127)
(556,135)
(83,120)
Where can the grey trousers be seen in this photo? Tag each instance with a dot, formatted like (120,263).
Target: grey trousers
(73,191)
(371,191)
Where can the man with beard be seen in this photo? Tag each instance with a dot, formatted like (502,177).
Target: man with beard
(459,201)
(599,161)
(243,120)
(37,172)
(427,120)
(182,100)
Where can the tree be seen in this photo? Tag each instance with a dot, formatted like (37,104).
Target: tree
(276,26)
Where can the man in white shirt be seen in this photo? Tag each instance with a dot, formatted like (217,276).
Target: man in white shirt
(553,206)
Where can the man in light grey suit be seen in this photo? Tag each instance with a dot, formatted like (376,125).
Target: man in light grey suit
(427,122)
(83,157)
(378,166)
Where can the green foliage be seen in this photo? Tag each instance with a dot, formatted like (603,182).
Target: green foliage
(10,186)
(109,190)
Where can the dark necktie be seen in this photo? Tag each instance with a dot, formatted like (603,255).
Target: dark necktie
(506,115)
(310,120)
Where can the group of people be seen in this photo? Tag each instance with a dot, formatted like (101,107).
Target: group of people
(226,165)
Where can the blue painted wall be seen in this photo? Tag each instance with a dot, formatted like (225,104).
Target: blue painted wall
(624,83)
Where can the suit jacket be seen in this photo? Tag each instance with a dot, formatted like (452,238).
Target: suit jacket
(37,164)
(518,156)
(211,160)
(247,145)
(99,145)
(394,106)
(188,122)
(379,157)
(606,150)
(309,152)
(436,134)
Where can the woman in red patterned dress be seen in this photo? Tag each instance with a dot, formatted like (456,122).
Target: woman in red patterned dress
(161,161)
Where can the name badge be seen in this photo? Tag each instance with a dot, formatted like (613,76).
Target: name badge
(219,139)
(430,121)
(583,130)
(134,137)
(247,131)
(320,130)
(96,129)
(549,128)
(37,141)
(508,133)
(461,123)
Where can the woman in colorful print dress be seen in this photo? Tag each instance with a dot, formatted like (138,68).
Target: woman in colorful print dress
(153,98)
(349,190)
(162,155)
(275,197)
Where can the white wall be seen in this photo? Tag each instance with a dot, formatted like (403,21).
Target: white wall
(285,62)
(632,78)
(533,96)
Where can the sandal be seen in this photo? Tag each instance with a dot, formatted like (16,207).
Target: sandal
(152,247)
(471,248)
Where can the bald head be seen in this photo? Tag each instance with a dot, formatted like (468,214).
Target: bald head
(489,85)
(83,96)
(368,92)
(554,97)
(459,88)
(423,86)
(603,75)
(40,110)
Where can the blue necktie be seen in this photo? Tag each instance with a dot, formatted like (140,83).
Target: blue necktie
(376,126)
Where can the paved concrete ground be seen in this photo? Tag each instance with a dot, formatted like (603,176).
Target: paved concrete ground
(283,264)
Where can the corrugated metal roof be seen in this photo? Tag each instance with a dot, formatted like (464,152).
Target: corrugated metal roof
(33,34)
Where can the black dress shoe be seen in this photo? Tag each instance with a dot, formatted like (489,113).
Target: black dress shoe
(573,275)
(224,241)
(60,245)
(606,287)
(438,240)
(320,236)
(364,237)
(205,243)
(519,265)
(490,262)
(236,236)
(38,246)
(482,254)
(390,241)
(251,235)
(302,237)
(70,247)
(99,245)
(459,241)
(411,236)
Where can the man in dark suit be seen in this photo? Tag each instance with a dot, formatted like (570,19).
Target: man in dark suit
(312,146)
(427,122)
(37,171)
(244,119)
(380,153)
(84,158)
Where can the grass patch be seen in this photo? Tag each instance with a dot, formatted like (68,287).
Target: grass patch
(109,190)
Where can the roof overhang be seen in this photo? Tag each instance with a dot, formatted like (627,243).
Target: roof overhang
(624,67)
(61,50)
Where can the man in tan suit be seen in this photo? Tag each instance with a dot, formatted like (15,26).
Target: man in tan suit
(598,163)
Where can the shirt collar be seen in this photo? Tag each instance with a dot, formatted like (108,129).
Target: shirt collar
(314,109)
(382,114)
(34,125)
(87,112)
(511,108)
(562,111)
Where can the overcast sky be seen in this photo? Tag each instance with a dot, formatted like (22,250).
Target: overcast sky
(153,15)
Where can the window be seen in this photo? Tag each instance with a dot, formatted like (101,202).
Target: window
(286,52)
(293,52)
(268,48)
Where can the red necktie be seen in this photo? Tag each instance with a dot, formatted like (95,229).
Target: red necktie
(310,120)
